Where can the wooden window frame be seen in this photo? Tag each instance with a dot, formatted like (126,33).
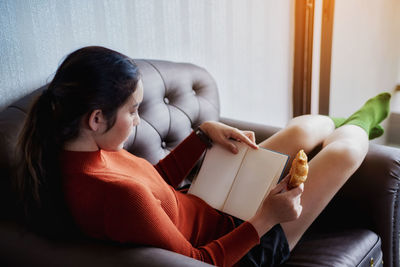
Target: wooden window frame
(303,48)
(303,56)
(328,7)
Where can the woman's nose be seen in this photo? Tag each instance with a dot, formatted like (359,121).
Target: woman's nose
(136,121)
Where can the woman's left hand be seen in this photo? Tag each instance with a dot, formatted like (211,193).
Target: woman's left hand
(223,134)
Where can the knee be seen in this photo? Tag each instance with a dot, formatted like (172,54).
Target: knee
(315,127)
(347,154)
(303,134)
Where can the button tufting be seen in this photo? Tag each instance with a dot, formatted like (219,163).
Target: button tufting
(163,144)
(166,100)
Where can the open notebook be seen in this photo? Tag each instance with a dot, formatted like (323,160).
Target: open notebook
(238,183)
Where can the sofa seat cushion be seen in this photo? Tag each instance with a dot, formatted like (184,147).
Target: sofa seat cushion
(355,247)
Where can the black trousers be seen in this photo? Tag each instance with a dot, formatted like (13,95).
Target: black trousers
(273,249)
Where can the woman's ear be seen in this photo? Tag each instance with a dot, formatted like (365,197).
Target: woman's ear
(96,120)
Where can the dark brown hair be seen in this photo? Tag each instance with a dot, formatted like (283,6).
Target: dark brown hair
(88,79)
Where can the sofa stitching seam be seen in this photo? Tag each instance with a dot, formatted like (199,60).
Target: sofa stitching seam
(370,251)
(165,93)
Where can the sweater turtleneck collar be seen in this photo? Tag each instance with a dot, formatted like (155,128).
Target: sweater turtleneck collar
(79,160)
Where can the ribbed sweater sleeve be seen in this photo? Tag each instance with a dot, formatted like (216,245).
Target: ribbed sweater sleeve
(178,163)
(133,214)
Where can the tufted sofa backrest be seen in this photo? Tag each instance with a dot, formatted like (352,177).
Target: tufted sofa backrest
(177,98)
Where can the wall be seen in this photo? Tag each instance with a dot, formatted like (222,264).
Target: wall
(365,52)
(245,44)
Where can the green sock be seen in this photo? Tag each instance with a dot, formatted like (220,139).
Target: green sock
(338,121)
(376,132)
(368,117)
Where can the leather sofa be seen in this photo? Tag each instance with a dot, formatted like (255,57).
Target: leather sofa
(360,227)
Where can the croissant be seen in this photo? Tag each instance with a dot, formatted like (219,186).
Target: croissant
(299,170)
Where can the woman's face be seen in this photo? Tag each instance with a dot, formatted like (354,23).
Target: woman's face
(127,118)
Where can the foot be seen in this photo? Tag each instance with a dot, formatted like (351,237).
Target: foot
(376,132)
(368,117)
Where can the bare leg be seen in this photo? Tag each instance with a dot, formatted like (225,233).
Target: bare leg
(343,151)
(303,132)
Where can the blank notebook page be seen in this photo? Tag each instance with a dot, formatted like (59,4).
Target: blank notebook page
(213,183)
(260,171)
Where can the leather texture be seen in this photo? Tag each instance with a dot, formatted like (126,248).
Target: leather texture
(349,248)
(21,248)
(180,99)
(370,199)
(177,98)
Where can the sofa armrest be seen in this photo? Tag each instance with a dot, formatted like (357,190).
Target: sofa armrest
(370,199)
(261,131)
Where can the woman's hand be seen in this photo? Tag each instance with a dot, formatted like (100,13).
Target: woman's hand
(223,134)
(279,206)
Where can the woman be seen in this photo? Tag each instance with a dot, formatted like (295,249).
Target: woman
(71,154)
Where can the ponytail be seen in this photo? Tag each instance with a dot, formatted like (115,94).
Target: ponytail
(38,180)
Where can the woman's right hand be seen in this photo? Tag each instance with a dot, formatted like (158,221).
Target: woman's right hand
(279,206)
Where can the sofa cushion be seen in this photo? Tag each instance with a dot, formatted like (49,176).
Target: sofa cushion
(355,247)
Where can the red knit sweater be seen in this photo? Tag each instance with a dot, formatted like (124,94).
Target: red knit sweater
(118,196)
